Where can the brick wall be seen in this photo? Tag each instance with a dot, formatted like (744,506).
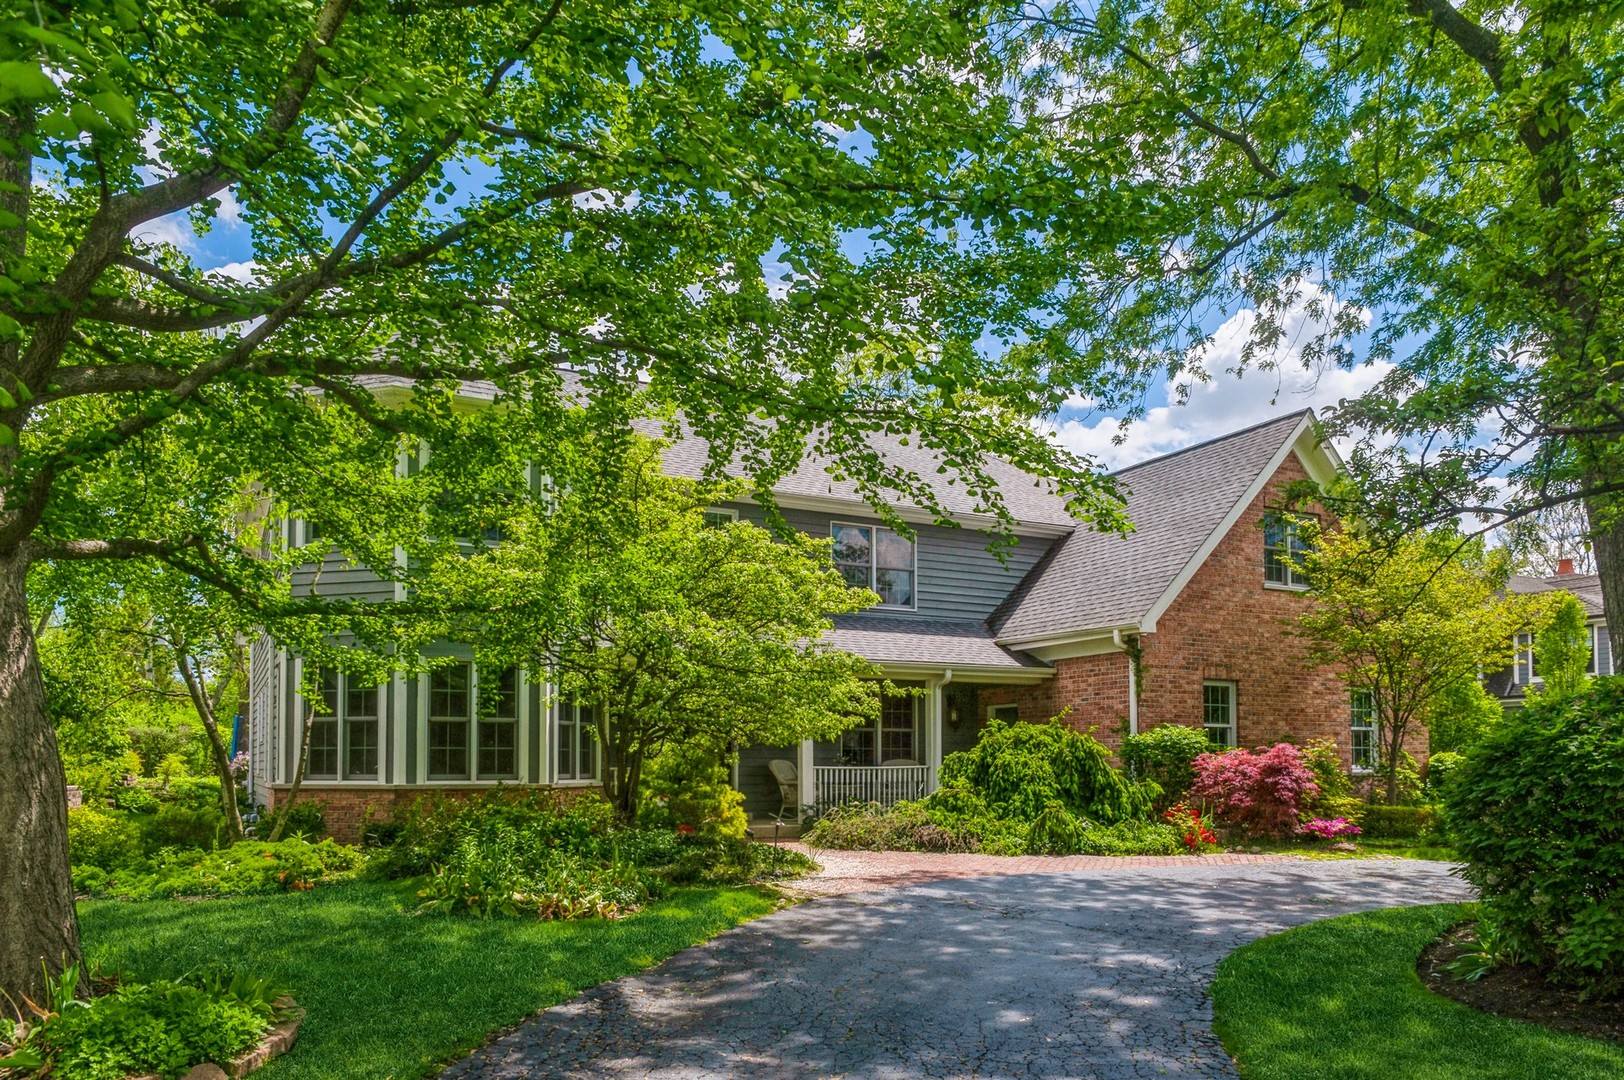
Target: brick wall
(1224,625)
(348,808)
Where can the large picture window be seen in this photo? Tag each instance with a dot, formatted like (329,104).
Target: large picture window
(344,735)
(473,722)
(877,558)
(1362,732)
(577,742)
(1283,548)
(1218,712)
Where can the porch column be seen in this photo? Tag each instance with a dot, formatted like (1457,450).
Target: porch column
(935,708)
(808,794)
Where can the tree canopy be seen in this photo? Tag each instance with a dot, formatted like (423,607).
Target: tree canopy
(1426,185)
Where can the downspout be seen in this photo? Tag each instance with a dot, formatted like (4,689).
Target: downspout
(1133,686)
(935,758)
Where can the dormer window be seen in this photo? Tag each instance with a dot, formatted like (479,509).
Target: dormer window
(877,558)
(1283,548)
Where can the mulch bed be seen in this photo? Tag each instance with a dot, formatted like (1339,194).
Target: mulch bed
(1518,993)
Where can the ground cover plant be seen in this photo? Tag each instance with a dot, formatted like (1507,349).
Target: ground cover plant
(1534,810)
(390,994)
(1340,1000)
(108,1028)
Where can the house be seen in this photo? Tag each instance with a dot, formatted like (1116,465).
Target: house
(1511,685)
(1183,621)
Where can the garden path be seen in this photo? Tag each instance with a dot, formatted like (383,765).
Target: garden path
(1085,973)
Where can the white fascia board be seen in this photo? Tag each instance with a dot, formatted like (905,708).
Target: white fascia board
(1292,445)
(965,673)
(1082,642)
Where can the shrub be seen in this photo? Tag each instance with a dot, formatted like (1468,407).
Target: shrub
(1193,827)
(486,877)
(1398,822)
(155,744)
(1054,832)
(193,792)
(1262,791)
(305,819)
(907,826)
(135,798)
(1440,767)
(1019,769)
(537,822)
(1348,807)
(732,862)
(1131,838)
(1325,760)
(247,868)
(178,826)
(1164,755)
(687,787)
(1535,811)
(101,840)
(1329,828)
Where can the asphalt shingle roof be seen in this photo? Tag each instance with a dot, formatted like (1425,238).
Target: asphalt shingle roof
(903,639)
(1587,587)
(1093,579)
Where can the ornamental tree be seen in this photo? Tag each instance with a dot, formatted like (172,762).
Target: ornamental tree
(677,633)
(1263,791)
(794,223)
(1407,622)
(1427,185)
(1562,648)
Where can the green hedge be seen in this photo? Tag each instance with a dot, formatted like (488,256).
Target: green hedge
(1397,822)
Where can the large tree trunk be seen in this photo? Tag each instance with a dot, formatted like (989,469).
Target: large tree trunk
(38,930)
(1607,541)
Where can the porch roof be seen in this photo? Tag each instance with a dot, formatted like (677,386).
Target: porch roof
(910,640)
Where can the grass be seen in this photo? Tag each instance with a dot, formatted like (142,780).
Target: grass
(390,994)
(1340,1000)
(1425,847)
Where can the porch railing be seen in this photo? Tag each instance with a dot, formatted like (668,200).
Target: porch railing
(883,784)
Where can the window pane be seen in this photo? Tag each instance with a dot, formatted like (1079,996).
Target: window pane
(857,746)
(853,554)
(361,753)
(448,692)
(1363,730)
(893,552)
(448,749)
(577,742)
(498,757)
(499,695)
(360,700)
(896,728)
(894,587)
(715,519)
(1218,712)
(329,694)
(323,749)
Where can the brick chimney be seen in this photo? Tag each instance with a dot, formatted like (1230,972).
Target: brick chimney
(1563,567)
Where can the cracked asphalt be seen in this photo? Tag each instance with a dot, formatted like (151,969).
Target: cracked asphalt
(1079,974)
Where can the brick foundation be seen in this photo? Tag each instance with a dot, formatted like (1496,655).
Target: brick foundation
(348,808)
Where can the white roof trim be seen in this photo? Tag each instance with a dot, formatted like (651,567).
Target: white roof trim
(1253,490)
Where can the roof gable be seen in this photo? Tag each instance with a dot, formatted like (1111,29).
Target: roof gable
(1181,506)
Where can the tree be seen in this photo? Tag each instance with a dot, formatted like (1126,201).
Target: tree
(1562,649)
(1408,622)
(1425,185)
(471,191)
(1541,542)
(675,632)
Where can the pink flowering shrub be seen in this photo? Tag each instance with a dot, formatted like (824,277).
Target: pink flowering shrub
(1261,791)
(1329,828)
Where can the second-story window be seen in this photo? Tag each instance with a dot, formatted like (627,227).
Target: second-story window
(717,516)
(874,557)
(1283,548)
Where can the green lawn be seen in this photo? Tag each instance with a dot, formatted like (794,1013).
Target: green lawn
(389,994)
(1340,999)
(1413,848)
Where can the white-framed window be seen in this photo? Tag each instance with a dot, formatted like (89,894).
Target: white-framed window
(1601,651)
(1524,672)
(891,735)
(1007,713)
(877,558)
(1362,731)
(577,742)
(1218,712)
(345,736)
(473,721)
(1283,549)
(717,516)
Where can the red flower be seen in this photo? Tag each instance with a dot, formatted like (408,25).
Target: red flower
(685,829)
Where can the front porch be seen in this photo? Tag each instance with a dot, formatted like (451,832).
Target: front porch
(893,758)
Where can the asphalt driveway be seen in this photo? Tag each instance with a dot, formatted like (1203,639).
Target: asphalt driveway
(1078,974)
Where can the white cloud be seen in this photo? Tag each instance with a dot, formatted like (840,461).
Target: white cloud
(241,272)
(174,230)
(1228,401)
(603,198)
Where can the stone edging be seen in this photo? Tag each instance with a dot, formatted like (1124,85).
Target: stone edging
(278,1040)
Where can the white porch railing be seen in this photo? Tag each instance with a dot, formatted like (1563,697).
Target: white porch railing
(883,784)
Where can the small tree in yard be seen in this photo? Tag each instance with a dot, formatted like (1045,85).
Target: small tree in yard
(1408,622)
(1562,650)
(676,631)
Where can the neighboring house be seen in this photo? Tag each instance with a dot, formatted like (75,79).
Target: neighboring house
(1511,685)
(1183,621)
